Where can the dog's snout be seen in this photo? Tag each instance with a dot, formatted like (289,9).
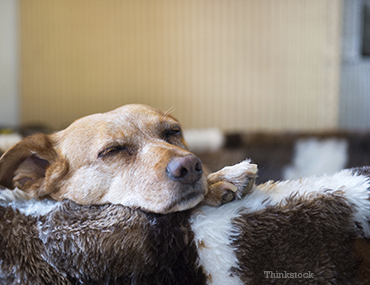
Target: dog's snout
(187,169)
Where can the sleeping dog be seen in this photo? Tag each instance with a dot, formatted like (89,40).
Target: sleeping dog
(136,208)
(133,156)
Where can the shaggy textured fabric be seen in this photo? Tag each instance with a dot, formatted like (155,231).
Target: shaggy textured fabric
(298,238)
(109,244)
(317,226)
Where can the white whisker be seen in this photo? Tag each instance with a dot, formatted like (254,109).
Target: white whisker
(170,110)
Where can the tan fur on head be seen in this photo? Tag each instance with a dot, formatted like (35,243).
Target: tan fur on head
(131,156)
(117,157)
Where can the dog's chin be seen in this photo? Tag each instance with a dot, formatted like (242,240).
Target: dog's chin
(185,201)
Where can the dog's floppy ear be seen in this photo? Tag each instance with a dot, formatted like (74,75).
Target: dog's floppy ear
(24,165)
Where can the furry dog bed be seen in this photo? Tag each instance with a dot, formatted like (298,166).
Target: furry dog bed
(109,244)
(313,234)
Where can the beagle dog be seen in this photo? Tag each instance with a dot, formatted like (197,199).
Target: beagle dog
(134,156)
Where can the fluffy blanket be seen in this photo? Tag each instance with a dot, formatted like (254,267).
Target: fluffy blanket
(110,244)
(319,238)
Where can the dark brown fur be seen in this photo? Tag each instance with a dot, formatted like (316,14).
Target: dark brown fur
(108,244)
(21,251)
(304,236)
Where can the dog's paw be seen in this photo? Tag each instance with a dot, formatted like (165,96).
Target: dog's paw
(230,183)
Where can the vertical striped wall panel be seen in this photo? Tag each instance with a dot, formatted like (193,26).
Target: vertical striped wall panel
(232,64)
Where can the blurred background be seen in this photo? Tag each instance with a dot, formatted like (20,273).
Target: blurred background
(236,65)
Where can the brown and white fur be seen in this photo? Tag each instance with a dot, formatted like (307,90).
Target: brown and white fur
(316,229)
(317,225)
(310,231)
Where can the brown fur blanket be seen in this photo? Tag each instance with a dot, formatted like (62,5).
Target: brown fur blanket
(109,244)
(309,231)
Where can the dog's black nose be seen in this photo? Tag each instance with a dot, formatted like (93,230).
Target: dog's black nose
(187,169)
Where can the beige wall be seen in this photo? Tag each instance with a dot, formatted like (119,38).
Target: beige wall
(8,64)
(233,64)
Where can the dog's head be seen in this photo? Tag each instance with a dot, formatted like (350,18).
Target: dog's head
(134,156)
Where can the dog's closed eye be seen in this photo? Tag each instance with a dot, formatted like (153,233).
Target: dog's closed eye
(175,132)
(113,150)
